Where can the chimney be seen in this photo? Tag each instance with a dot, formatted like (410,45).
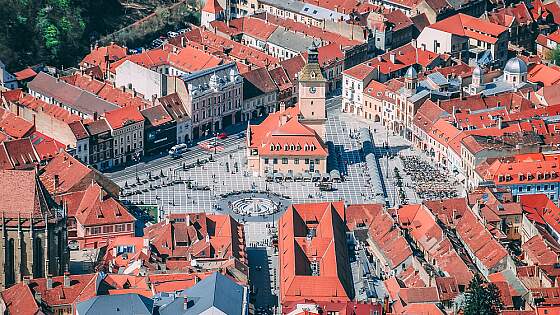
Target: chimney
(66,279)
(26,280)
(283,120)
(49,282)
(185,302)
(183,41)
(393,58)
(95,116)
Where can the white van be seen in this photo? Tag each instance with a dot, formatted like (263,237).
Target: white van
(177,150)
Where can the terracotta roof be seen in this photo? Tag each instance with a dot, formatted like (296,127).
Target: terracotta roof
(101,56)
(272,137)
(422,309)
(54,111)
(19,154)
(203,39)
(96,208)
(185,237)
(541,209)
(124,116)
(506,16)
(447,288)
(479,240)
(419,295)
(382,232)
(212,6)
(97,127)
(298,252)
(14,126)
(468,26)
(187,59)
(545,75)
(25,74)
(106,91)
(21,194)
(69,171)
(20,300)
(523,169)
(540,252)
(260,80)
(78,130)
(82,287)
(360,71)
(291,67)
(45,146)
(427,115)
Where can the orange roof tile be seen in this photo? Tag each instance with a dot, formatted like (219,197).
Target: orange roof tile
(466,25)
(212,6)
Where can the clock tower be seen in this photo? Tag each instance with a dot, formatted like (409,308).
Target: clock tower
(311,98)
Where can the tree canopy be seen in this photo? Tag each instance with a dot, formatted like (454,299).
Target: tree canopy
(554,55)
(482,298)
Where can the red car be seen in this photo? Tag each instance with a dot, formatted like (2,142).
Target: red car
(222,136)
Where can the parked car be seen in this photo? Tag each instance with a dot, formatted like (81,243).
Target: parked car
(172,34)
(222,136)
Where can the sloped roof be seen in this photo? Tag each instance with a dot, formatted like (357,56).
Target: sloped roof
(212,6)
(215,291)
(125,304)
(20,300)
(124,116)
(327,248)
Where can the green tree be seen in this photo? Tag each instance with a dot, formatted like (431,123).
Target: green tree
(554,55)
(482,298)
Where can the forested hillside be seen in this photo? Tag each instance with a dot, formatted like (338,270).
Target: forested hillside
(60,32)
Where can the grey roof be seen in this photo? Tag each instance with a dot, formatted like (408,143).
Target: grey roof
(411,73)
(516,65)
(306,9)
(70,95)
(477,71)
(290,40)
(438,79)
(122,304)
(216,291)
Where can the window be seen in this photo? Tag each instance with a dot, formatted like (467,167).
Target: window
(266,161)
(274,161)
(306,161)
(284,160)
(296,161)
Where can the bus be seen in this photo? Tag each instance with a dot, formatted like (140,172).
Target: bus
(177,150)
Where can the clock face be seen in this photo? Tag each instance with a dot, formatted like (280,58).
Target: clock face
(312,90)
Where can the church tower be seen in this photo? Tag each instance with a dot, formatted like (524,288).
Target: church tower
(312,89)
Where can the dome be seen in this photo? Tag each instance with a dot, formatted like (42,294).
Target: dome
(411,73)
(515,66)
(477,71)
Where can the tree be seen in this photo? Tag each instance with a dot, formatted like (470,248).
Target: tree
(482,298)
(554,55)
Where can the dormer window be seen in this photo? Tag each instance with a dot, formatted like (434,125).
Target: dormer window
(272,147)
(277,147)
(285,147)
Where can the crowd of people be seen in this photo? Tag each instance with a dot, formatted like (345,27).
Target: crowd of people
(428,182)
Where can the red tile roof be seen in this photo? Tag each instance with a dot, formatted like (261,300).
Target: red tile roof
(101,56)
(20,300)
(25,74)
(187,59)
(20,154)
(360,71)
(71,174)
(212,6)
(541,209)
(540,252)
(506,16)
(523,169)
(96,208)
(82,287)
(299,250)
(124,116)
(405,56)
(186,237)
(468,26)
(221,46)
(14,126)
(292,138)
(479,240)
(447,288)
(106,91)
(544,74)
(156,115)
(382,232)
